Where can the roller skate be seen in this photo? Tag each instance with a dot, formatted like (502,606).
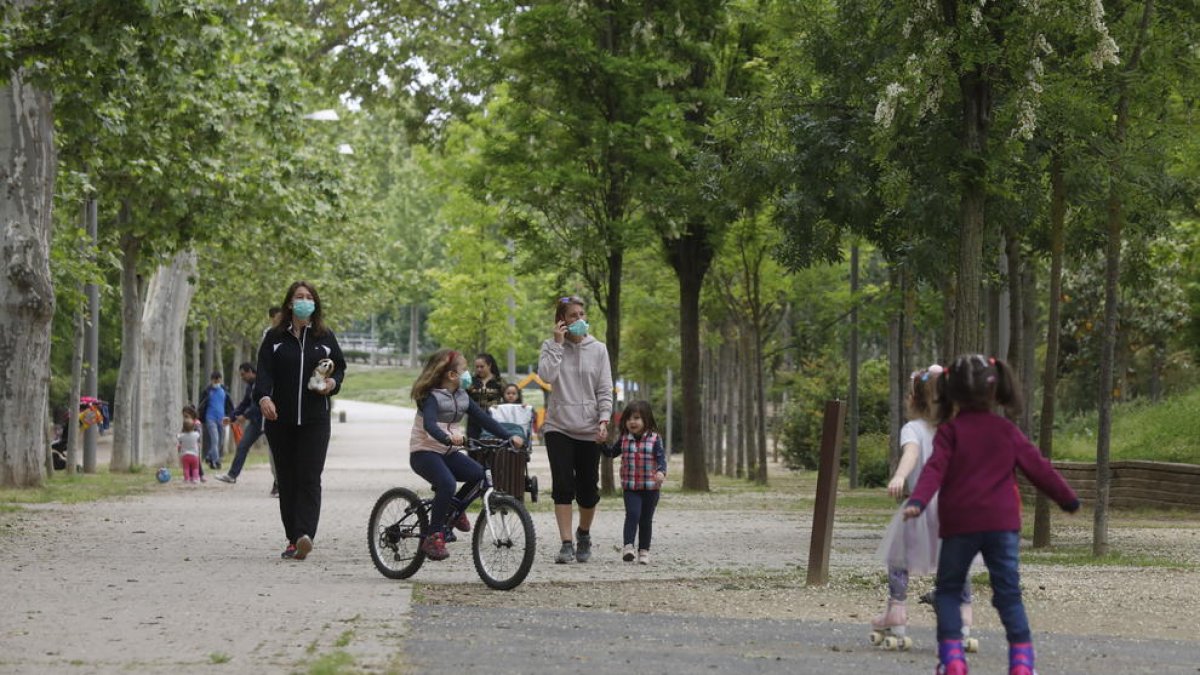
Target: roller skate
(1020,659)
(970,644)
(951,660)
(889,629)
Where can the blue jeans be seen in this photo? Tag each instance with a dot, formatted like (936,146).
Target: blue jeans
(1000,554)
(639,516)
(212,434)
(444,472)
(253,431)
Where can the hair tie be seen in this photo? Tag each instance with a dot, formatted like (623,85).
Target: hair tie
(992,360)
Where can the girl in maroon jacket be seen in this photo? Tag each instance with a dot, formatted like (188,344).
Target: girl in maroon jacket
(975,453)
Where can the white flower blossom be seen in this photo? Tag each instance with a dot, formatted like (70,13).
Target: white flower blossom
(1026,120)
(976,17)
(885,111)
(1106,51)
(1041,44)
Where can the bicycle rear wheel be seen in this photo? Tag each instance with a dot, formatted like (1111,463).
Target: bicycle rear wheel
(503,545)
(394,533)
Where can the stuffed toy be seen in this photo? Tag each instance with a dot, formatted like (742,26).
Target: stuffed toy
(321,373)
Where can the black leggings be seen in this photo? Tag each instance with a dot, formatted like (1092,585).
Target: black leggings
(299,453)
(574,470)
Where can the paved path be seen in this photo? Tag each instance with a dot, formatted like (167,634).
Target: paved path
(190,576)
(188,579)
(503,641)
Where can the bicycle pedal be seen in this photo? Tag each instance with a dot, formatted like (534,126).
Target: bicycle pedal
(450,537)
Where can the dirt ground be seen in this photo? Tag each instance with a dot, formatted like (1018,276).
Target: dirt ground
(703,565)
(188,578)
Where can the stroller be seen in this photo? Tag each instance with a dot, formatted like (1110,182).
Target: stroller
(510,471)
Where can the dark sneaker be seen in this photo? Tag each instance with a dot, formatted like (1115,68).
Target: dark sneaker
(461,523)
(226,478)
(449,537)
(434,547)
(303,547)
(566,554)
(583,546)
(289,552)
(275,490)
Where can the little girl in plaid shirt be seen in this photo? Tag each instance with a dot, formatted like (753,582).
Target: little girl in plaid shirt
(643,469)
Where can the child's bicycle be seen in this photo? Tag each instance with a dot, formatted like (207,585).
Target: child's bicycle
(502,542)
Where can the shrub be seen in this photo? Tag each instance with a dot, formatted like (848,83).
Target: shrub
(817,383)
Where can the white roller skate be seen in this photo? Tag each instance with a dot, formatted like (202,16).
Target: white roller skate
(970,644)
(890,629)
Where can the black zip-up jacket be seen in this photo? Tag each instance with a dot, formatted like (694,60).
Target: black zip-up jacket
(284,365)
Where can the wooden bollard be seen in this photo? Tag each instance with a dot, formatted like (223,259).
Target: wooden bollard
(341,416)
(827,479)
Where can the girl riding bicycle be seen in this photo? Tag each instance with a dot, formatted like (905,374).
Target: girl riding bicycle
(435,447)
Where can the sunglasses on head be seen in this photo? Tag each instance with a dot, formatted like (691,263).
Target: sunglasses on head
(569,299)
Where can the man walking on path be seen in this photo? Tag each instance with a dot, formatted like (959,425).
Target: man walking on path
(215,408)
(247,410)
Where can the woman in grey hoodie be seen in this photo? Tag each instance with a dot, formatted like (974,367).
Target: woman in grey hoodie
(576,366)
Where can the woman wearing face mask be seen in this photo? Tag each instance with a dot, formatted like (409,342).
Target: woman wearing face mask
(436,442)
(486,389)
(295,412)
(576,365)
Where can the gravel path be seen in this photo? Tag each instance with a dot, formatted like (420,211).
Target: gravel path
(189,579)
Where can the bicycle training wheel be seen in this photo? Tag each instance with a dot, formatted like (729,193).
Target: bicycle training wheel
(394,533)
(503,546)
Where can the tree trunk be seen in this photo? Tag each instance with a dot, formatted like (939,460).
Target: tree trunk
(210,339)
(131,336)
(1029,316)
(71,428)
(162,364)
(691,255)
(747,411)
(197,377)
(760,405)
(92,342)
(1016,324)
(236,386)
(976,115)
(1058,212)
(724,421)
(27,166)
(706,404)
(853,392)
(414,335)
(612,337)
(1112,273)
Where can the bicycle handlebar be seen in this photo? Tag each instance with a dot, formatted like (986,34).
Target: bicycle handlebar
(495,444)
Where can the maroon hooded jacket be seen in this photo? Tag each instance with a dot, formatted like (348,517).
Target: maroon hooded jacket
(973,462)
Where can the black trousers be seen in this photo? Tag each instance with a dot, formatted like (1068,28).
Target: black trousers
(299,453)
(574,470)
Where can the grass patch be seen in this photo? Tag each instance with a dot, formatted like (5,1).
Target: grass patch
(344,639)
(379,384)
(332,664)
(218,658)
(68,489)
(1082,556)
(1164,432)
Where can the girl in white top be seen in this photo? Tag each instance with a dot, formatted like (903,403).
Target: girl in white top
(187,444)
(911,547)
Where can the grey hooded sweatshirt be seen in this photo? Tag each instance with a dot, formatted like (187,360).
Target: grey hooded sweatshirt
(582,393)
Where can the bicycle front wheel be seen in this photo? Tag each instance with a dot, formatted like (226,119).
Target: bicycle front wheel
(394,533)
(503,545)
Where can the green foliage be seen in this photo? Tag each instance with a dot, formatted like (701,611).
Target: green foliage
(1163,432)
(819,380)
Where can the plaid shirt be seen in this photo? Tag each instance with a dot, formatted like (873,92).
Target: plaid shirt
(640,458)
